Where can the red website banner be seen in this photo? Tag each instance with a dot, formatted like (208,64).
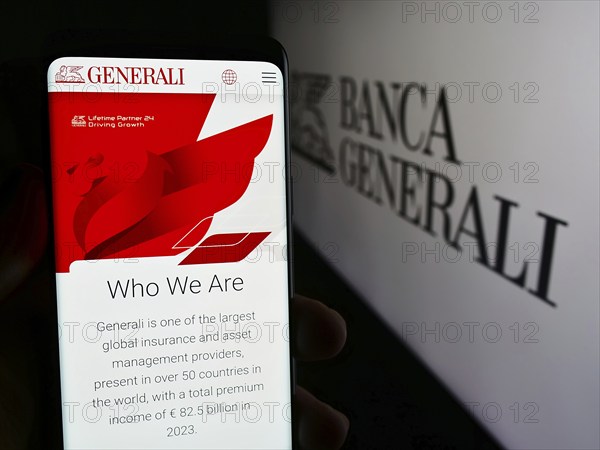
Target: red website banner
(131,180)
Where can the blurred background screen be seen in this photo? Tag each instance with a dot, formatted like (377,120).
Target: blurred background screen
(446,168)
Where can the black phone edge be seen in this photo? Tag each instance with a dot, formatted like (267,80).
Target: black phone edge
(162,45)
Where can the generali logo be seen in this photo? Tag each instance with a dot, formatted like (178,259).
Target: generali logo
(78,121)
(413,191)
(121,75)
(69,74)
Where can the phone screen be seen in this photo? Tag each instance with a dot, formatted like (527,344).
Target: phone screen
(171,243)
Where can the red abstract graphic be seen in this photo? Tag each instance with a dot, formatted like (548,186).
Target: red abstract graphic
(130,180)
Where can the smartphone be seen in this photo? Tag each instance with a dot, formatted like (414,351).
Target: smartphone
(171,215)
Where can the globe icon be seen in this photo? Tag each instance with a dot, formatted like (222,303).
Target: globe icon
(229,76)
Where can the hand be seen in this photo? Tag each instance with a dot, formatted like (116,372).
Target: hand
(320,332)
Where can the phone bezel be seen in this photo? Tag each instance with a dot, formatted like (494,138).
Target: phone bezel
(151,45)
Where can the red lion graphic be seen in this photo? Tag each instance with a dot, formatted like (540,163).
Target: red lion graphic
(135,182)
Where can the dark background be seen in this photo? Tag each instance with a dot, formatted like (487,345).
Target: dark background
(391,399)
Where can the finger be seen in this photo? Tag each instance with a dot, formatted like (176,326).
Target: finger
(319,331)
(23,226)
(319,425)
